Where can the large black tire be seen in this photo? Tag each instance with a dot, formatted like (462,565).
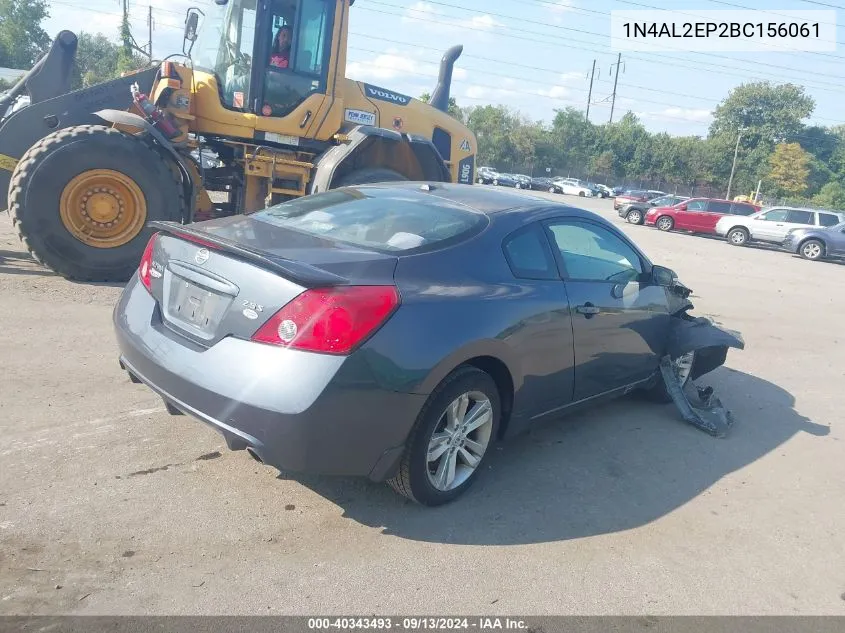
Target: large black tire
(368,175)
(412,479)
(48,166)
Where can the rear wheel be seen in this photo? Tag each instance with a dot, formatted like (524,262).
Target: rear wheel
(368,175)
(634,216)
(581,194)
(665,223)
(81,198)
(737,237)
(495,182)
(812,249)
(451,438)
(551,189)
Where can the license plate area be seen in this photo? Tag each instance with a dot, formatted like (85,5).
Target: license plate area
(194,308)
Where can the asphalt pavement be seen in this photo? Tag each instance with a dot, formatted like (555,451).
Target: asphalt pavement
(108,505)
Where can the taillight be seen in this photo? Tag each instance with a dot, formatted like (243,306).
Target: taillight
(147,263)
(330,320)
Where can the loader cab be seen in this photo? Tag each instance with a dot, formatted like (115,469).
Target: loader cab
(239,42)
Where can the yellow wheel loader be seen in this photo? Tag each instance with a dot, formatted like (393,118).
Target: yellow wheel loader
(254,111)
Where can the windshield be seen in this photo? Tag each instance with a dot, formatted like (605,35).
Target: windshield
(374,218)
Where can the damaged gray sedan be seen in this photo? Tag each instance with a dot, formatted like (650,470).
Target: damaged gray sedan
(396,331)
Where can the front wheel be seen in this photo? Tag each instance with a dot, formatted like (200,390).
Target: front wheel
(82,197)
(581,194)
(451,438)
(737,237)
(495,182)
(518,186)
(634,217)
(812,250)
(665,223)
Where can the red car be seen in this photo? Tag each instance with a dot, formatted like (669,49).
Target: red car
(698,215)
(635,195)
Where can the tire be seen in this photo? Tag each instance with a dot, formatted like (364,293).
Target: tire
(413,479)
(812,249)
(552,190)
(658,393)
(40,179)
(581,194)
(518,186)
(665,223)
(634,216)
(368,175)
(737,236)
(495,182)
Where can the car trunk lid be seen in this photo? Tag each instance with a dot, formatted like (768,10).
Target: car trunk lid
(230,277)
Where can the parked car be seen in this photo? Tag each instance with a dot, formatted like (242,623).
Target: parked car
(818,242)
(698,215)
(541,183)
(395,331)
(522,181)
(505,180)
(485,175)
(574,187)
(606,191)
(633,195)
(773,224)
(634,212)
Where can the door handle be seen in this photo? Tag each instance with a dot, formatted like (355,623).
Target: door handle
(305,119)
(588,309)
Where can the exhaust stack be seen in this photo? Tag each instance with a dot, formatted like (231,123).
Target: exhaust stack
(440,96)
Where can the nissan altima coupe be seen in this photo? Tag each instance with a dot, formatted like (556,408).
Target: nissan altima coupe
(395,331)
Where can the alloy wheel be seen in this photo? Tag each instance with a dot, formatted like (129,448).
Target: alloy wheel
(459,441)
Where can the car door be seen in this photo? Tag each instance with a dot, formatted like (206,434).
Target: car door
(836,243)
(542,335)
(688,216)
(768,225)
(795,219)
(706,221)
(619,318)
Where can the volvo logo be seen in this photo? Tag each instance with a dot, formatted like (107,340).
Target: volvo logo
(202,256)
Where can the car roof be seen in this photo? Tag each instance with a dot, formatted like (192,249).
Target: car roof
(486,200)
(788,208)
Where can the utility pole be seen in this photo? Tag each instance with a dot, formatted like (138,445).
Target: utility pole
(733,166)
(590,93)
(150,30)
(613,103)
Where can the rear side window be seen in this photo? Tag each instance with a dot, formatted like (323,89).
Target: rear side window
(800,217)
(742,209)
(382,220)
(717,206)
(528,255)
(696,205)
(826,219)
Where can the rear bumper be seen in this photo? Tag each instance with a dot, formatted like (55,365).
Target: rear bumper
(296,411)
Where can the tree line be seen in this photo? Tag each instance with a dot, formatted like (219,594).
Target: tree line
(794,162)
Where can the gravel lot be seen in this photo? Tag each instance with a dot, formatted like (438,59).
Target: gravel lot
(110,506)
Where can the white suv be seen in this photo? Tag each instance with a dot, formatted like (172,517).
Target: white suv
(772,224)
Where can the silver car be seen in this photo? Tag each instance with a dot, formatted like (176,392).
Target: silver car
(773,224)
(817,242)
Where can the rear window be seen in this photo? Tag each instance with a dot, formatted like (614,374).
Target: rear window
(382,220)
(800,217)
(717,206)
(826,219)
(743,209)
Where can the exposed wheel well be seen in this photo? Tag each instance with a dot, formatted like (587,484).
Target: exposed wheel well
(501,375)
(737,227)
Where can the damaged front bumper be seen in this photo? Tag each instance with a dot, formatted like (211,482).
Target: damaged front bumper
(710,343)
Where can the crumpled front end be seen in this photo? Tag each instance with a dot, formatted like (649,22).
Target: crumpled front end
(698,405)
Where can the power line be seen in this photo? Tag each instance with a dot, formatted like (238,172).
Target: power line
(824,4)
(603,35)
(821,85)
(770,12)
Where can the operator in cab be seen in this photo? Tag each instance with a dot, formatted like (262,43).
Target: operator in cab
(280,53)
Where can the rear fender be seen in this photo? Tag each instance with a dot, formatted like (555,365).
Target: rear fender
(27,126)
(415,157)
(129,119)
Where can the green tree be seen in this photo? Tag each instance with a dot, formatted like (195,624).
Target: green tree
(22,40)
(767,112)
(831,196)
(790,169)
(603,164)
(454,109)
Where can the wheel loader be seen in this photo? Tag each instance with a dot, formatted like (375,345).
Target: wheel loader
(87,170)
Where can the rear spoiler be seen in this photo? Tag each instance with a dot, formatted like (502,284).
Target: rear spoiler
(298,272)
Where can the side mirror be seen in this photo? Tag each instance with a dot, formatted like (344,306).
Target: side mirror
(191,23)
(663,276)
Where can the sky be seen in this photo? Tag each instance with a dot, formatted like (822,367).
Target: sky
(534,56)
